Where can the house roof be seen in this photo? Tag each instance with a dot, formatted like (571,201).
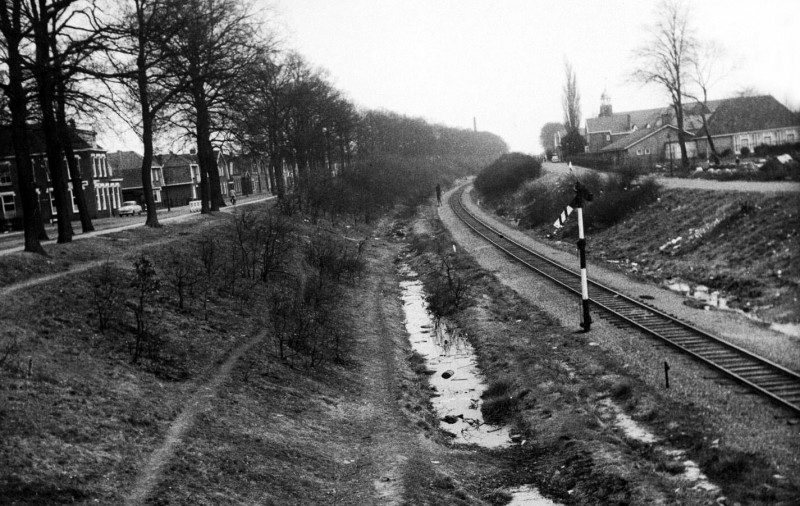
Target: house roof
(633,138)
(748,114)
(176,160)
(82,140)
(128,165)
(622,122)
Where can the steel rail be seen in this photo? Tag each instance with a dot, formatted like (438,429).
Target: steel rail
(777,383)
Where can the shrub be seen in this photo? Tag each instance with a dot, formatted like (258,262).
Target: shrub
(506,174)
(745,151)
(145,284)
(107,294)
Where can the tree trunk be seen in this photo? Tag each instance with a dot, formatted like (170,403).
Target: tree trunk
(17,104)
(46,91)
(147,180)
(205,152)
(64,136)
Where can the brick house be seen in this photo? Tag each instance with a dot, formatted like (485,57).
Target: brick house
(128,166)
(748,122)
(249,174)
(650,136)
(181,178)
(100,185)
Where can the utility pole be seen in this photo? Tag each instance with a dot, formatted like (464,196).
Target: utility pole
(581,195)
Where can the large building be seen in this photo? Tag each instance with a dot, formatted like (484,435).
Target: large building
(652,134)
(100,186)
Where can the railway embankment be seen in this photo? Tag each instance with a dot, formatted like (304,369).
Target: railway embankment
(745,445)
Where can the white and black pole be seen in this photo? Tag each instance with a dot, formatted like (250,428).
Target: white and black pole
(583,195)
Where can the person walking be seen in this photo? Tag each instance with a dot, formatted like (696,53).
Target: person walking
(438,195)
(233,197)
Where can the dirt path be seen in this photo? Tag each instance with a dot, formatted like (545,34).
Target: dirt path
(201,401)
(696,184)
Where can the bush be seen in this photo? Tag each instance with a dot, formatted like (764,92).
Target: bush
(506,174)
(615,197)
(745,151)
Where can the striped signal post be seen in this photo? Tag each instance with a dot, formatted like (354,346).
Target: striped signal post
(582,194)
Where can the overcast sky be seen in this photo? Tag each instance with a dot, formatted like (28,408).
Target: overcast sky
(502,61)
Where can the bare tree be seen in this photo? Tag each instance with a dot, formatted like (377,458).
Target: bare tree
(667,58)
(571,99)
(14,30)
(141,55)
(217,44)
(42,17)
(709,66)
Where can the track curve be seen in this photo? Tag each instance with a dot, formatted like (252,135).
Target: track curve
(767,378)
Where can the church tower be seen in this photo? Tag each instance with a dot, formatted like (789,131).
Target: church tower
(605,104)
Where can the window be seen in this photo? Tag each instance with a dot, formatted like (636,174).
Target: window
(52,202)
(638,151)
(9,207)
(157,195)
(768,140)
(5,173)
(745,142)
(647,151)
(155,176)
(790,137)
(608,137)
(195,172)
(74,201)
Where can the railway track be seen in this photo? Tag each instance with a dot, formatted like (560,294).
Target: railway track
(771,380)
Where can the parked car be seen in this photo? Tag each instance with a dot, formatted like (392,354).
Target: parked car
(130,207)
(555,159)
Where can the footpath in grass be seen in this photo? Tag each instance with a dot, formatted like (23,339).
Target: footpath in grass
(292,381)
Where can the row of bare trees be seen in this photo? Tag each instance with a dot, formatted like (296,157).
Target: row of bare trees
(201,72)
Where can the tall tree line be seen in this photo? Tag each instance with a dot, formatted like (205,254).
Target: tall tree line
(206,72)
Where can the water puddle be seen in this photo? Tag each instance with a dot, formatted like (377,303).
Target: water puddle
(529,496)
(454,373)
(455,376)
(708,299)
(790,329)
(632,430)
(702,294)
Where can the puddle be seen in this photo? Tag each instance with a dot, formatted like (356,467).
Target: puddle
(455,374)
(700,293)
(713,299)
(632,430)
(529,496)
(790,329)
(692,472)
(457,380)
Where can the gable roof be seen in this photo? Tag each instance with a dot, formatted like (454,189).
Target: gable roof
(748,114)
(634,138)
(623,122)
(128,166)
(37,144)
(175,160)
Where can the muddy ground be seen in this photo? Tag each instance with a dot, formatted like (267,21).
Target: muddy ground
(228,422)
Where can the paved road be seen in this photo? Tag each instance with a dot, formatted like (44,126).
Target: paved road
(696,184)
(13,242)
